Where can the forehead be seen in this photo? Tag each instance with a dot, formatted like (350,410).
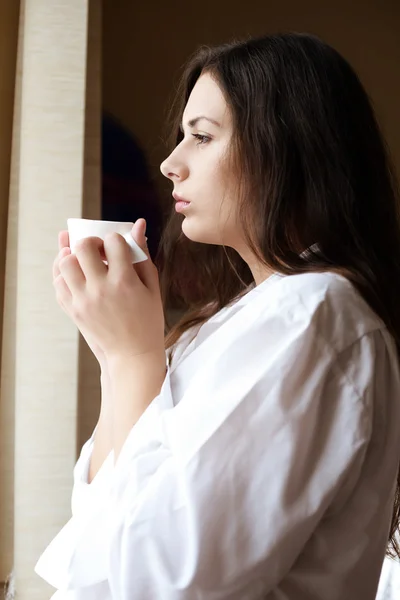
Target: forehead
(206,99)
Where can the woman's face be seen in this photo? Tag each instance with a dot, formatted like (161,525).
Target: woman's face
(199,169)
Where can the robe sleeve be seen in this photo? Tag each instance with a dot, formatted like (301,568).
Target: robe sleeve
(217,496)
(85,494)
(77,557)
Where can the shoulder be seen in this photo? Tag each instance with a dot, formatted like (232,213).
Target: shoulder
(328,303)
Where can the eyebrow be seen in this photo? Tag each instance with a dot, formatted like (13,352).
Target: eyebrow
(194,122)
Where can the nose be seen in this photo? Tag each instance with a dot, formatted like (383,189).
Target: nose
(174,169)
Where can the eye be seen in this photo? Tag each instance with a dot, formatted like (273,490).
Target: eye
(202,139)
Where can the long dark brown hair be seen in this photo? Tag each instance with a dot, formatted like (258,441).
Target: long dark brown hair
(311,166)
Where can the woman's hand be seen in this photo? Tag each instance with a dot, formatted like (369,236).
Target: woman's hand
(64,250)
(117,307)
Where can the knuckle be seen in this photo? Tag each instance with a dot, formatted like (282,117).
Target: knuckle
(97,296)
(56,262)
(67,260)
(83,244)
(82,308)
(119,286)
(121,282)
(62,264)
(77,311)
(113,237)
(57,280)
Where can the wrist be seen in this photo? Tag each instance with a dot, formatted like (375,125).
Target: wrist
(155,360)
(144,373)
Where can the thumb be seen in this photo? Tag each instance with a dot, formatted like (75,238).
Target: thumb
(146,269)
(142,229)
(139,234)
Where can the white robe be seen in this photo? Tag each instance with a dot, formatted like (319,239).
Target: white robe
(265,468)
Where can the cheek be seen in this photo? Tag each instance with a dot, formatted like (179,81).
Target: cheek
(218,201)
(212,219)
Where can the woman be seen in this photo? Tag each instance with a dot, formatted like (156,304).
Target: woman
(254,453)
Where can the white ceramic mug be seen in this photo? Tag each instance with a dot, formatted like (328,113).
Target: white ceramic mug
(82,228)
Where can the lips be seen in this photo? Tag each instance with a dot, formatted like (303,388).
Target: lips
(179,198)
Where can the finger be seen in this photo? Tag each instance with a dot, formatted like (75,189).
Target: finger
(118,255)
(63,293)
(90,251)
(146,270)
(72,274)
(56,268)
(63,239)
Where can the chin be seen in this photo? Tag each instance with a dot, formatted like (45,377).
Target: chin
(198,234)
